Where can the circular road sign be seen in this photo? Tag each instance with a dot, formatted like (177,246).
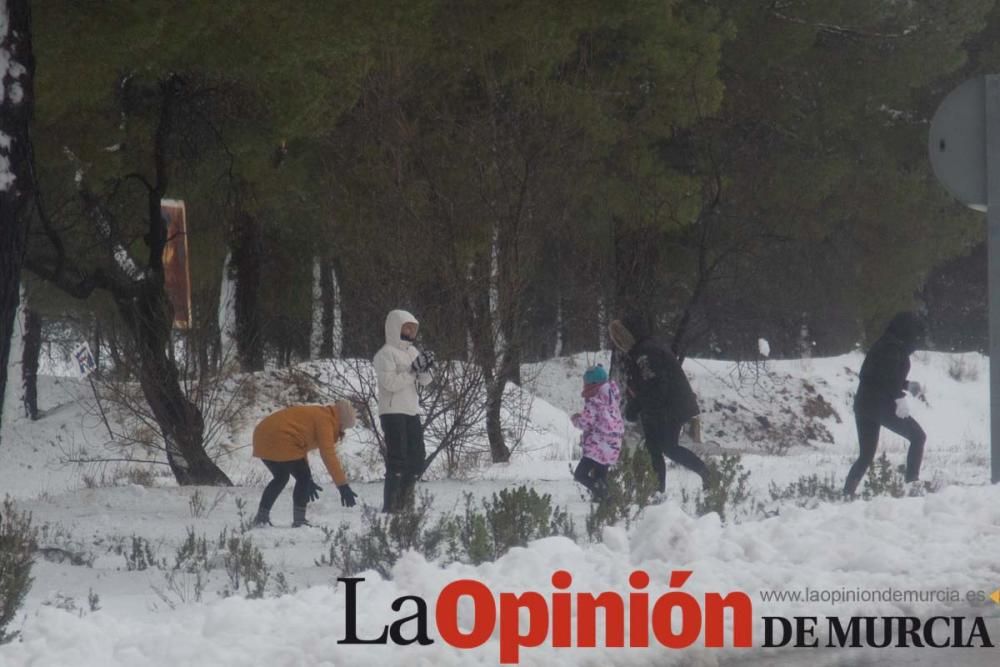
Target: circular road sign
(957,143)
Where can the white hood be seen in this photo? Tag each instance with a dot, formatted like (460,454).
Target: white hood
(394,322)
(397,383)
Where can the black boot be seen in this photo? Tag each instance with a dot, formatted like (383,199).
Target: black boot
(853,480)
(407,492)
(263,517)
(391,492)
(299,516)
(586,482)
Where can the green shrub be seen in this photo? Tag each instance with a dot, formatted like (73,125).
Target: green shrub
(472,537)
(518,516)
(93,600)
(808,490)
(510,518)
(385,537)
(200,506)
(234,551)
(245,565)
(884,480)
(245,518)
(142,556)
(728,494)
(17,542)
(632,484)
(192,555)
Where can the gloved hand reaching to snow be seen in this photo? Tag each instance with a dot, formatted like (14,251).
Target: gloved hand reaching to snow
(423,362)
(313,492)
(347,496)
(903,407)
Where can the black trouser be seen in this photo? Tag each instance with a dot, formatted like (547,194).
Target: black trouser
(663,435)
(404,444)
(282,470)
(868,431)
(592,475)
(404,457)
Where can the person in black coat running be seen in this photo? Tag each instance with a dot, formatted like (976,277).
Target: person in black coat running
(881,398)
(659,396)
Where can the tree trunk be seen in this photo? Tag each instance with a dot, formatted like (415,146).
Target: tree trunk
(227,312)
(16,183)
(511,355)
(247,258)
(149,320)
(329,347)
(204,343)
(484,347)
(560,336)
(29,361)
(499,452)
(602,324)
(316,311)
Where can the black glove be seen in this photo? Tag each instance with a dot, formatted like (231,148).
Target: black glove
(347,497)
(313,491)
(423,362)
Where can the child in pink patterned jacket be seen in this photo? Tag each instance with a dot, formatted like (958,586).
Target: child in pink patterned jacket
(603,428)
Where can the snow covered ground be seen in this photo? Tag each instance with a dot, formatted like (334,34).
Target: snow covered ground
(787,419)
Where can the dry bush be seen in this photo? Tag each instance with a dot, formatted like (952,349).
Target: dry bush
(223,396)
(454,408)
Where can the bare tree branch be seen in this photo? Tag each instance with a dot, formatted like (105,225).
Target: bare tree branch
(777,10)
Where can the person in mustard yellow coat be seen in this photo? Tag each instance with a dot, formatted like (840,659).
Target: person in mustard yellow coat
(283,439)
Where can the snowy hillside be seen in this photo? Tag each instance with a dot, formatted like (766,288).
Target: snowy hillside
(106,591)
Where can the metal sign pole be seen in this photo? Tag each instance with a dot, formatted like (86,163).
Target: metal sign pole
(993,252)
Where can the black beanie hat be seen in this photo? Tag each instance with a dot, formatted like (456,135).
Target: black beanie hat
(908,327)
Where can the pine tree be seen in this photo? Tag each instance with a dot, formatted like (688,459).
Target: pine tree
(17,102)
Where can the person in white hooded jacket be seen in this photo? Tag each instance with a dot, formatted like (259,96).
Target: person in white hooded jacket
(399,367)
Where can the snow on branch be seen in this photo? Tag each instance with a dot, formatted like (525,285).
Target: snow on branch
(103,223)
(11,90)
(7,177)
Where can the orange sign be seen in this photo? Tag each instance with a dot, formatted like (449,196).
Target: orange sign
(176,269)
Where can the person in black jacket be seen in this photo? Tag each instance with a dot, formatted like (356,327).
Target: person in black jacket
(881,398)
(659,395)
